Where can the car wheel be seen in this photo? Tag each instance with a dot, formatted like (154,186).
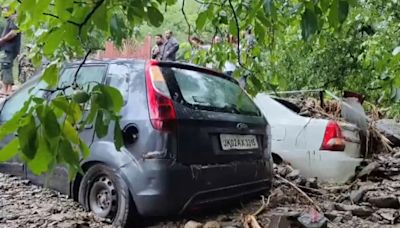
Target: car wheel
(105,193)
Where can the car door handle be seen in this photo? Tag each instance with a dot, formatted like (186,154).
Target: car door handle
(87,126)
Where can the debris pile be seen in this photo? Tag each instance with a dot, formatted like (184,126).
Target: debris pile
(370,200)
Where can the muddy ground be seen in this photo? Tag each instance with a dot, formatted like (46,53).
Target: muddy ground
(369,200)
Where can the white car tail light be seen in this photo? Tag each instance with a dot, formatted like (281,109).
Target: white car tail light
(333,138)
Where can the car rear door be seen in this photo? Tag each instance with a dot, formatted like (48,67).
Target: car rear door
(217,122)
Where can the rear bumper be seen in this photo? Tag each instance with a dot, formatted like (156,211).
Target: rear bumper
(169,188)
(328,166)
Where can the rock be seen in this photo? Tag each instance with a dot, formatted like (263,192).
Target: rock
(212,224)
(385,202)
(391,129)
(390,215)
(300,181)
(193,224)
(328,206)
(357,195)
(313,219)
(362,211)
(397,155)
(368,169)
(293,175)
(312,182)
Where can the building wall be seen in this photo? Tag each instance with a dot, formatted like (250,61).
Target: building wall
(129,50)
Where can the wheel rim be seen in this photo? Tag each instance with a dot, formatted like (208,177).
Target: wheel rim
(103,197)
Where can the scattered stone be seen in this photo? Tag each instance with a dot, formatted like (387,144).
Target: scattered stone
(385,202)
(193,224)
(357,195)
(293,175)
(312,182)
(313,219)
(212,224)
(361,211)
(368,169)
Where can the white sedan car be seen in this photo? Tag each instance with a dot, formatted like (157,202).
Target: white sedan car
(321,148)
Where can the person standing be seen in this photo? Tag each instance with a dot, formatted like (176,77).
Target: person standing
(156,51)
(25,66)
(10,44)
(170,47)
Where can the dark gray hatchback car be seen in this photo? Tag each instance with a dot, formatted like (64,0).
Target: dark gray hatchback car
(192,138)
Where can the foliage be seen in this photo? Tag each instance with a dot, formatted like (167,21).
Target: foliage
(48,129)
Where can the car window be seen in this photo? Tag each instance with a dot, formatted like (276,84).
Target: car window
(118,77)
(209,92)
(88,77)
(17,100)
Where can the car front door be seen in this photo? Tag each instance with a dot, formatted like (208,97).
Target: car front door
(8,108)
(89,76)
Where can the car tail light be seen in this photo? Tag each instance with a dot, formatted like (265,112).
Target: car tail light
(161,107)
(333,138)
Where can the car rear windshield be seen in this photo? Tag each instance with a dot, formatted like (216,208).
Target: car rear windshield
(209,92)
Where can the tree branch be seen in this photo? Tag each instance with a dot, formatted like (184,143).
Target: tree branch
(237,34)
(80,66)
(187,21)
(55,16)
(89,15)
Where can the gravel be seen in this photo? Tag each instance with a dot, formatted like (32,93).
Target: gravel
(25,205)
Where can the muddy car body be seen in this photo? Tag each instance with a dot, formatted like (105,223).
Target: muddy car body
(187,142)
(323,148)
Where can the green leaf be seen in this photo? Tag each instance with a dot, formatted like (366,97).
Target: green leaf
(338,12)
(155,16)
(27,136)
(50,75)
(61,7)
(269,7)
(118,139)
(69,107)
(233,27)
(43,158)
(9,150)
(11,125)
(100,17)
(324,4)
(67,152)
(101,128)
(84,149)
(309,24)
(53,40)
(343,10)
(70,132)
(50,124)
(201,20)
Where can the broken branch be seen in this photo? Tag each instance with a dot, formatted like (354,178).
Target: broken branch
(300,191)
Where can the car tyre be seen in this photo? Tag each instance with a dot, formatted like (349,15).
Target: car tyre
(105,193)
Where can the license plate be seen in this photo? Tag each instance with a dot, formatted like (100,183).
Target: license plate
(238,142)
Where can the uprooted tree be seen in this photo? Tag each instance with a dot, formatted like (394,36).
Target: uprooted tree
(48,129)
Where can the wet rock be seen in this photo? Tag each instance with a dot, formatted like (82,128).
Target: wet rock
(293,175)
(384,201)
(193,224)
(212,224)
(367,170)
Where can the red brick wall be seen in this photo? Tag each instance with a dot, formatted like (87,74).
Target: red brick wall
(128,50)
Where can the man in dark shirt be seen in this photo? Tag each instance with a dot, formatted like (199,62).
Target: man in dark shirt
(170,47)
(10,44)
